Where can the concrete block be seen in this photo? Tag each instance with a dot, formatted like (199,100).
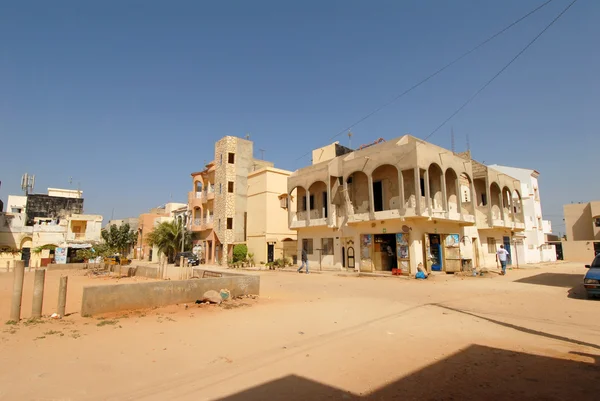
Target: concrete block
(120,297)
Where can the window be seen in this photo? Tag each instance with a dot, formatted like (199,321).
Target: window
(283,202)
(303,204)
(221,159)
(230,187)
(230,223)
(422,187)
(326,246)
(15,210)
(307,243)
(597,221)
(312,202)
(491,245)
(483,199)
(231,158)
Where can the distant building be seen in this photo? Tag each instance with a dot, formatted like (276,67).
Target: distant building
(401,204)
(218,200)
(41,229)
(268,236)
(582,225)
(146,224)
(536,248)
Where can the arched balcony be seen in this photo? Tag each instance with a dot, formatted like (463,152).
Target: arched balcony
(436,193)
(386,191)
(507,213)
(496,204)
(318,202)
(357,185)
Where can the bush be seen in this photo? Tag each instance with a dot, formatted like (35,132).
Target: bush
(240,252)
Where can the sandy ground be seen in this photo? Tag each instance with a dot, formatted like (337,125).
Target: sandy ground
(528,335)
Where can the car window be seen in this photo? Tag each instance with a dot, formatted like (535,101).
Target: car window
(596,262)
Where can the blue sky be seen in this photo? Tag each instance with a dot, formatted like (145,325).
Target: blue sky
(128,97)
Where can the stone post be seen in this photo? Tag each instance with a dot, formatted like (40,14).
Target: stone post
(62,296)
(17,296)
(38,293)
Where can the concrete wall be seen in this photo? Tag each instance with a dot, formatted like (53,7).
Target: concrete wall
(578,222)
(267,220)
(578,251)
(113,298)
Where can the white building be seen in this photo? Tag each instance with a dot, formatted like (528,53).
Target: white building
(534,242)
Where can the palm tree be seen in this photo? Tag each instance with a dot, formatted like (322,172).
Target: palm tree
(167,235)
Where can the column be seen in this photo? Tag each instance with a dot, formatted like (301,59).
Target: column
(427,192)
(307,207)
(489,202)
(330,213)
(417,178)
(459,198)
(371,197)
(502,214)
(401,189)
(444,193)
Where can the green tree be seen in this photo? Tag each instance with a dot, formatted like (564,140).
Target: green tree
(240,251)
(167,238)
(119,239)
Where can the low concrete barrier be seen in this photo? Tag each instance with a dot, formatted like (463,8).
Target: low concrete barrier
(139,271)
(119,297)
(74,266)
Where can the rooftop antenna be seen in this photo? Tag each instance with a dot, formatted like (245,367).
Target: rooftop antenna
(350,139)
(452,140)
(262,154)
(27,183)
(468,143)
(248,137)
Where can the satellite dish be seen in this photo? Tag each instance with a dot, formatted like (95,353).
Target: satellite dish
(405,229)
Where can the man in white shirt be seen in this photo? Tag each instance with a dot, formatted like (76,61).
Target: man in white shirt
(502,255)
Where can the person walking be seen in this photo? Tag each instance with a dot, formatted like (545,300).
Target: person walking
(304,261)
(502,255)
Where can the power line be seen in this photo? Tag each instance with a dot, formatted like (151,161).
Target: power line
(469,100)
(378,109)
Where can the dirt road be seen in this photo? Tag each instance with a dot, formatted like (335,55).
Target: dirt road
(528,335)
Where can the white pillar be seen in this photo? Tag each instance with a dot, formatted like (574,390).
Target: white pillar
(444,193)
(401,189)
(427,192)
(417,177)
(371,197)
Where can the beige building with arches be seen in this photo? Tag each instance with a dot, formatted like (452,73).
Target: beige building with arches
(401,203)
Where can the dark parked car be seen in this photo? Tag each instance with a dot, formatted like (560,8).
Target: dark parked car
(591,281)
(191,258)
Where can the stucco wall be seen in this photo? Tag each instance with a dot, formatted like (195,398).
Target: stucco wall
(112,298)
(578,251)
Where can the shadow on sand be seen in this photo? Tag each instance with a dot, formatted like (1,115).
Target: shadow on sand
(474,373)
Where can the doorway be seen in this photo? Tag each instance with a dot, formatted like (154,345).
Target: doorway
(384,257)
(26,255)
(378,196)
(506,241)
(350,257)
(435,253)
(270,252)
(343,256)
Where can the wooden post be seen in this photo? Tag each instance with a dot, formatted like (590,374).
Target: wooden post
(17,296)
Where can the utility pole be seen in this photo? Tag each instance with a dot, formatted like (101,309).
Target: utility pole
(452,140)
(350,139)
(262,154)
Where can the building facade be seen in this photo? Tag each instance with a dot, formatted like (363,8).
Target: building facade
(269,237)
(146,224)
(218,200)
(536,248)
(400,204)
(582,223)
(41,229)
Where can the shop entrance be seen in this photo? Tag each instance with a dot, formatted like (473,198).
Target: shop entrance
(384,256)
(442,252)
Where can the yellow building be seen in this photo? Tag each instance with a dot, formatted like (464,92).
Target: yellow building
(269,236)
(582,226)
